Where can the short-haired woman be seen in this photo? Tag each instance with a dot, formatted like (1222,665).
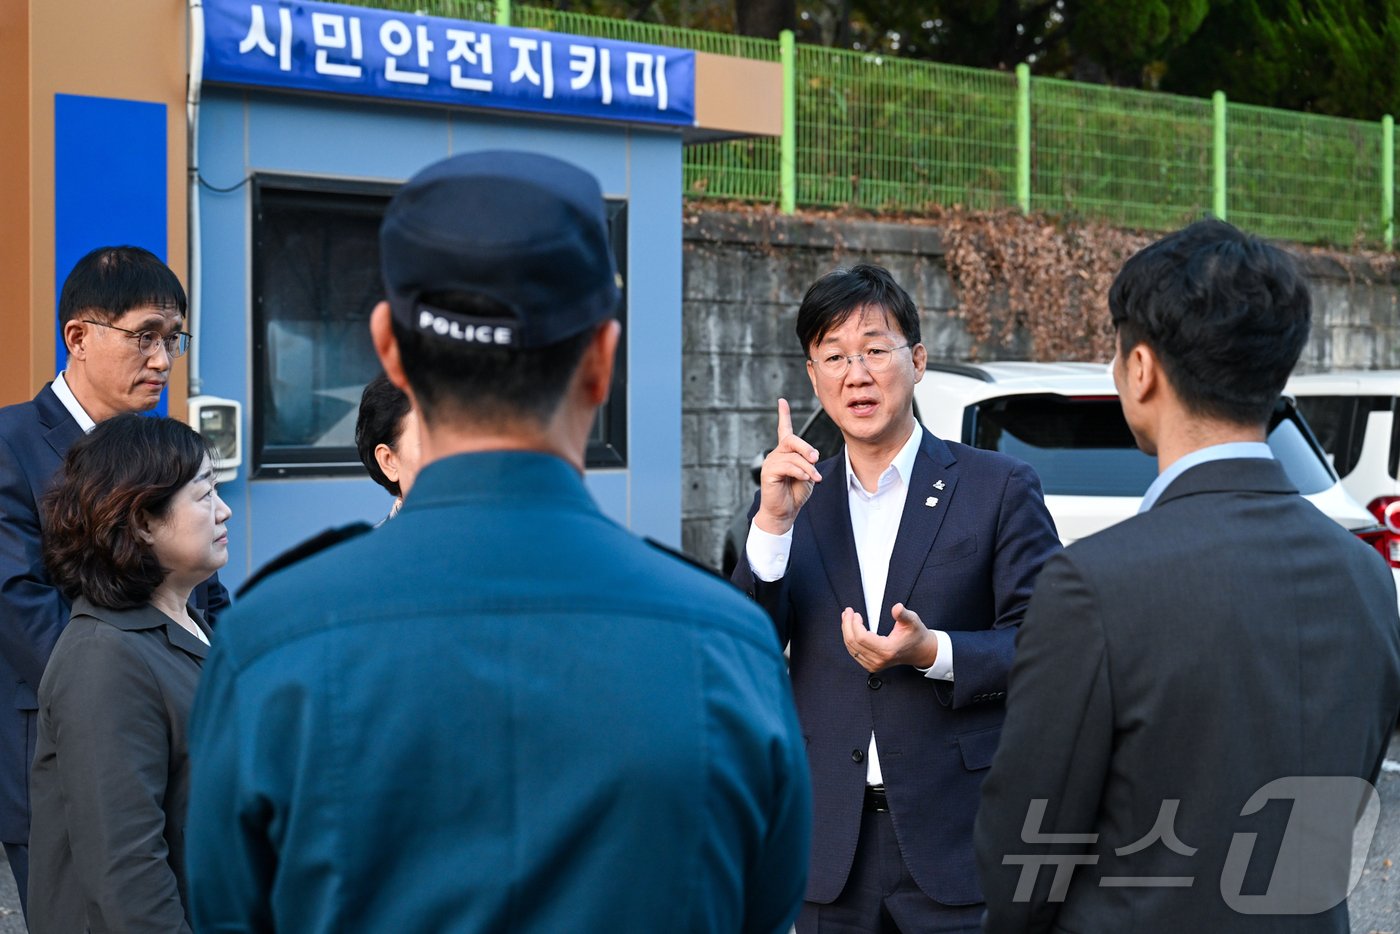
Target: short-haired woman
(386,435)
(132,525)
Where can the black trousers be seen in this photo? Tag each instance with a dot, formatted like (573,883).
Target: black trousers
(881,897)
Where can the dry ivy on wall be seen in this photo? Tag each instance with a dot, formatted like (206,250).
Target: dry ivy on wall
(1014,271)
(1051,278)
(1046,278)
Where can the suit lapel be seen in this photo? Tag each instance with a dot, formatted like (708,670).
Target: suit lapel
(829,511)
(919,523)
(182,638)
(60,429)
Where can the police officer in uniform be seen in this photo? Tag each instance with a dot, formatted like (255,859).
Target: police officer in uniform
(500,711)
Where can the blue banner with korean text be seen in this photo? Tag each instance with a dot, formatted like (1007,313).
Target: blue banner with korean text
(327,47)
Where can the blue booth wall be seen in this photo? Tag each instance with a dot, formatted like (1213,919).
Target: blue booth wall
(242,133)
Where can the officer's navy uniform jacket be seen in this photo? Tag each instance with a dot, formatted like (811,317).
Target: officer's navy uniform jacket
(498,712)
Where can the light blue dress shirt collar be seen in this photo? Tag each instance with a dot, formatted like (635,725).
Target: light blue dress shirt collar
(1216,452)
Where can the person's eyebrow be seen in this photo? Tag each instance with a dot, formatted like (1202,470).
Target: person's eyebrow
(157,323)
(205,475)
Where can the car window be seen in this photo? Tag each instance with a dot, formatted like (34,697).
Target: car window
(1289,440)
(1394,464)
(1339,424)
(821,433)
(1080,447)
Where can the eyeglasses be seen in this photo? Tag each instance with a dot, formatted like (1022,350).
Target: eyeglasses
(175,345)
(875,359)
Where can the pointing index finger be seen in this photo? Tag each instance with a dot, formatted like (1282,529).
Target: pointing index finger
(784,420)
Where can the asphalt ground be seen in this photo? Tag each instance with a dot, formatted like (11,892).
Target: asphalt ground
(1374,904)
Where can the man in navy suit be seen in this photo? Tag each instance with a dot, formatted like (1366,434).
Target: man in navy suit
(121,311)
(935,544)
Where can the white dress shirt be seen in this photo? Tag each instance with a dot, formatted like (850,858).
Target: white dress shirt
(875,525)
(70,402)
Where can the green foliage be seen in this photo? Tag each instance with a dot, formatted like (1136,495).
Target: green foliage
(1126,38)
(1337,57)
(1334,58)
(1101,38)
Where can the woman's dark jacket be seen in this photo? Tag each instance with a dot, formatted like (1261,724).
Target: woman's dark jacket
(110,782)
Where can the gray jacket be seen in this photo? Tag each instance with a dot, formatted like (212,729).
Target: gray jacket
(110,783)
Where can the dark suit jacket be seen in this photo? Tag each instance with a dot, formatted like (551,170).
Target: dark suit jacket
(111,775)
(1231,636)
(966,566)
(34,437)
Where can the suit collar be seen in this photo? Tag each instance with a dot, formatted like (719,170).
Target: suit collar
(931,487)
(64,393)
(934,476)
(1251,474)
(903,463)
(148,617)
(60,428)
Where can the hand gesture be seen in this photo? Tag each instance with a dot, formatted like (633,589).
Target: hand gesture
(910,642)
(786,479)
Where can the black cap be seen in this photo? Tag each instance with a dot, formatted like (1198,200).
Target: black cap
(527,231)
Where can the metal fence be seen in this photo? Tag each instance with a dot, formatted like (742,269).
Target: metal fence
(883,133)
(742,170)
(1130,157)
(1304,177)
(886,134)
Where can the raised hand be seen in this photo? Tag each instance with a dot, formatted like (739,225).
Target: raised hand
(787,477)
(910,642)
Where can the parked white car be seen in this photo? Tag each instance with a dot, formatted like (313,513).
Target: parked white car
(1064,420)
(1355,415)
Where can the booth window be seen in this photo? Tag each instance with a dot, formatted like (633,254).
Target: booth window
(315,280)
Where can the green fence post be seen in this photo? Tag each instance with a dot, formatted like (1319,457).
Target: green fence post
(502,12)
(787,178)
(1023,137)
(1218,107)
(1388,179)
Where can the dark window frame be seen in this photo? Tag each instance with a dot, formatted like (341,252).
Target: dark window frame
(607,444)
(607,440)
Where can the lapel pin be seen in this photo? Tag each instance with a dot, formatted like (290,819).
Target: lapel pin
(931,501)
(938,485)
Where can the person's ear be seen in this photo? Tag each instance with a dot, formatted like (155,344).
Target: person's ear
(388,461)
(919,354)
(381,332)
(141,525)
(596,368)
(1144,372)
(75,335)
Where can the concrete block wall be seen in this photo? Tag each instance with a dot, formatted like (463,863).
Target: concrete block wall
(744,278)
(1356,316)
(745,275)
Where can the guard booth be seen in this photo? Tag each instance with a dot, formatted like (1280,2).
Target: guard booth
(254,144)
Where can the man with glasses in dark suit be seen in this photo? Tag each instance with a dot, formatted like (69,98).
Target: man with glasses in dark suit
(121,314)
(897,571)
